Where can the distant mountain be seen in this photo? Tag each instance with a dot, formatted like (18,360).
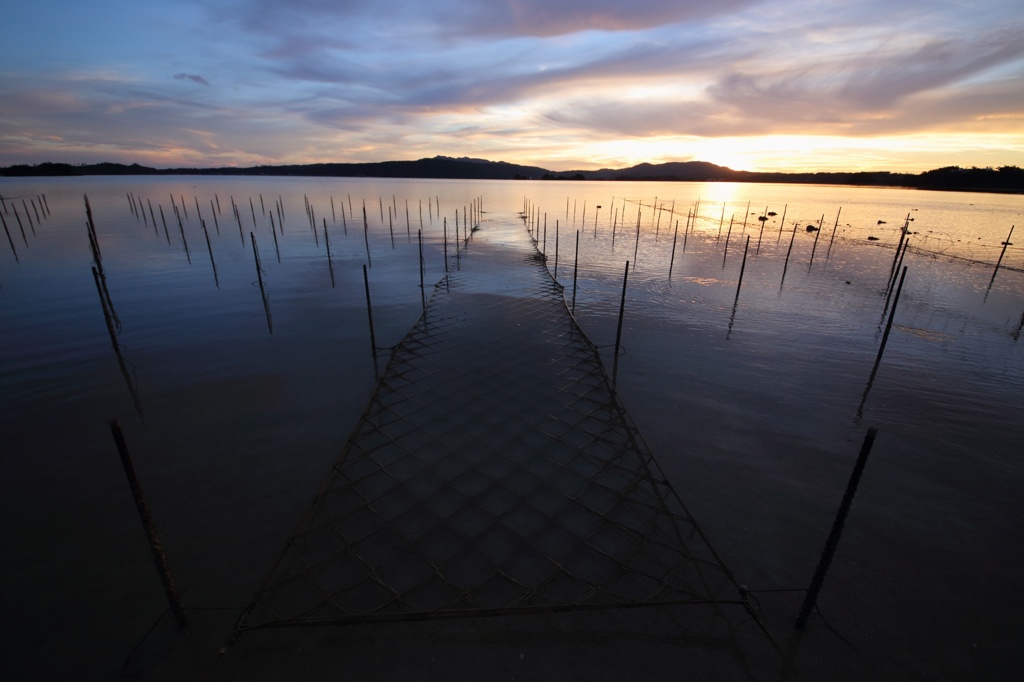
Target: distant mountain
(1004,179)
(674,171)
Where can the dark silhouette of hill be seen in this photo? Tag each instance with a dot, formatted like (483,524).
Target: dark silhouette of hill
(1003,179)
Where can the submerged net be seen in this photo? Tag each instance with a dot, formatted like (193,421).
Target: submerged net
(494,471)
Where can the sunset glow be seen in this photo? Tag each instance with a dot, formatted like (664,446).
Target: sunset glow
(767,85)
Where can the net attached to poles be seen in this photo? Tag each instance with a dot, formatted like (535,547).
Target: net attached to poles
(493,471)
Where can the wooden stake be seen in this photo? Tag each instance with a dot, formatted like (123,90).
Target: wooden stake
(369,313)
(152,537)
(836,532)
(216,279)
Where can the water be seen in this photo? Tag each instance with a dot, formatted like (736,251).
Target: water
(755,423)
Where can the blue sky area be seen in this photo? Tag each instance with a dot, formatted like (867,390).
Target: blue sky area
(755,85)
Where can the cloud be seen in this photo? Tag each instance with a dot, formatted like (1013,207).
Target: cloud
(190,77)
(341,79)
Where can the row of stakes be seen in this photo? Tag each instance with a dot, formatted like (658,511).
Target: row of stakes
(537,227)
(113,325)
(41,209)
(531,216)
(145,212)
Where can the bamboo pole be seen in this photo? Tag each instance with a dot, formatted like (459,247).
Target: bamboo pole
(327,243)
(575,270)
(817,233)
(216,279)
(273,233)
(785,266)
(739,285)
(369,313)
(152,537)
(618,329)
(423,291)
(834,535)
(164,221)
(828,254)
(10,241)
(672,260)
(998,262)
(259,278)
(881,347)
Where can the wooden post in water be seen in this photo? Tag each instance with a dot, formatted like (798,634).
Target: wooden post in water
(889,287)
(739,284)
(828,254)
(817,234)
(369,313)
(164,221)
(184,241)
(881,347)
(896,256)
(238,219)
(785,266)
(545,244)
(636,246)
(273,233)
(216,279)
(672,260)
(618,329)
(366,236)
(10,241)
(21,226)
(998,262)
(556,248)
(728,236)
(259,277)
(108,318)
(155,546)
(782,223)
(327,243)
(423,291)
(837,530)
(763,219)
(575,270)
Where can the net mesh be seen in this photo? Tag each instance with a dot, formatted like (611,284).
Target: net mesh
(493,471)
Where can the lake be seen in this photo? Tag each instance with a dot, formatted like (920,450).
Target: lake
(755,404)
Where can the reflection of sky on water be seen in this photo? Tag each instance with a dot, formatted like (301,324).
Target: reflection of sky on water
(242,423)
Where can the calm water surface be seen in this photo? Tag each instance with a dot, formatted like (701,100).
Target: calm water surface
(754,405)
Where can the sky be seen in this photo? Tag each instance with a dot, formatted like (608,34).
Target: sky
(801,85)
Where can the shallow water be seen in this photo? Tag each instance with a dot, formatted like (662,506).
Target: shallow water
(750,404)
